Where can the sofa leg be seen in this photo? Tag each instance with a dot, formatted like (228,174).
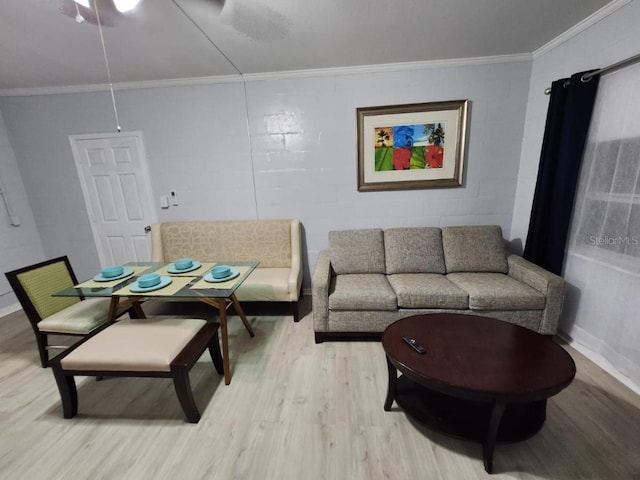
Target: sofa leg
(295,307)
(319,338)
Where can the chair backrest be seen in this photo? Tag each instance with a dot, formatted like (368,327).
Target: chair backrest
(34,285)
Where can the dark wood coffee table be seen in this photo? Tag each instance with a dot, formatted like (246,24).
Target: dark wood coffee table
(480,378)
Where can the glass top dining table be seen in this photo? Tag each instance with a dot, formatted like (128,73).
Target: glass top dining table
(187,285)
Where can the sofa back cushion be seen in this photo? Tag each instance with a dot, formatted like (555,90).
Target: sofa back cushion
(267,241)
(357,251)
(474,249)
(414,250)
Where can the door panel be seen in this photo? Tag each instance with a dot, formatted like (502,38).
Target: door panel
(117,191)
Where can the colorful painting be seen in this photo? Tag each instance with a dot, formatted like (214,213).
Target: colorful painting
(408,147)
(411,146)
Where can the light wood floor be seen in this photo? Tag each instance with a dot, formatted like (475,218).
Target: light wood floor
(294,410)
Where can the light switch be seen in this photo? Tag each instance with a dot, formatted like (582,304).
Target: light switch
(174,197)
(164,201)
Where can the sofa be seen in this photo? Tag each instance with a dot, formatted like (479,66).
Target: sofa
(276,244)
(369,278)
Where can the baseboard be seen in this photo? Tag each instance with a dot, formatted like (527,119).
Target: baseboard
(9,309)
(601,362)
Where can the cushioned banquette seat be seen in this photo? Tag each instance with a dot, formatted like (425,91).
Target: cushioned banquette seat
(276,244)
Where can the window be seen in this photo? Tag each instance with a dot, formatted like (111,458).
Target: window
(606,223)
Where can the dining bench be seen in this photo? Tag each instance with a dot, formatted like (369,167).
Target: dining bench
(149,347)
(275,244)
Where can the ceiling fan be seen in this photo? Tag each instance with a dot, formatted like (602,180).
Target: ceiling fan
(254,19)
(108,10)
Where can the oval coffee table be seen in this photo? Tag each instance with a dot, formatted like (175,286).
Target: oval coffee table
(480,378)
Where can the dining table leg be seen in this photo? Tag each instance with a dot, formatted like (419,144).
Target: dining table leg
(137,308)
(221,305)
(222,308)
(240,312)
(113,309)
(119,302)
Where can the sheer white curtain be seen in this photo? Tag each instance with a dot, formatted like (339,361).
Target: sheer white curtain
(606,222)
(602,265)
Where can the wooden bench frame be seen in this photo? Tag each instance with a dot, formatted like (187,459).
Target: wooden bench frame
(205,338)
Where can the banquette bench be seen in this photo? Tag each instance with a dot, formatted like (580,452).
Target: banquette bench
(276,244)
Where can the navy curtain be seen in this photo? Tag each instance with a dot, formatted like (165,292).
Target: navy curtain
(566,129)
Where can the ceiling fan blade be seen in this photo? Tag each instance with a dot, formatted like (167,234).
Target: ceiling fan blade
(214,5)
(109,15)
(124,6)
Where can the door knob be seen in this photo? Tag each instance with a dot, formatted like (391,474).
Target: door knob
(147,229)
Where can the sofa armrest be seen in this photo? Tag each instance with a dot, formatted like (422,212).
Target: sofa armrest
(157,252)
(320,282)
(295,276)
(549,284)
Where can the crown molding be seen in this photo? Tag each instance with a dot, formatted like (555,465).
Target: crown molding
(103,87)
(182,82)
(579,27)
(389,67)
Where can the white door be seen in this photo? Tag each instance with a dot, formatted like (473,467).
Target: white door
(117,192)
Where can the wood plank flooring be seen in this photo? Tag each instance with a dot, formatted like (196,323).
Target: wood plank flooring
(294,410)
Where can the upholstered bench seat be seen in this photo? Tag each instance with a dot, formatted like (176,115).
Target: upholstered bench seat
(78,318)
(150,347)
(275,244)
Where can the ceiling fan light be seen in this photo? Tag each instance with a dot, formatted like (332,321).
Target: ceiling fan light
(124,6)
(84,3)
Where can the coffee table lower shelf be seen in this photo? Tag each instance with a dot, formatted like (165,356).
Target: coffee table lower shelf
(468,419)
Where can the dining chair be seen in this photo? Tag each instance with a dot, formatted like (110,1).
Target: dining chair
(73,316)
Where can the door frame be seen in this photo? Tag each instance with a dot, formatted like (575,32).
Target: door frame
(146,178)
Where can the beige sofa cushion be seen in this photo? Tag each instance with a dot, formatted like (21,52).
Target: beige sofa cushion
(143,345)
(414,250)
(474,249)
(267,285)
(496,291)
(361,291)
(357,251)
(427,290)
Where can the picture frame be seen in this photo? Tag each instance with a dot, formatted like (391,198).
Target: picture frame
(411,146)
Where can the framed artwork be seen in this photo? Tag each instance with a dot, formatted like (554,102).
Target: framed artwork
(404,147)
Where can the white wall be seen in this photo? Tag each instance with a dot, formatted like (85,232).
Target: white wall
(196,140)
(301,158)
(602,303)
(306,164)
(19,245)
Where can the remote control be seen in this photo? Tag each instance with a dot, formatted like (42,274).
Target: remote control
(414,344)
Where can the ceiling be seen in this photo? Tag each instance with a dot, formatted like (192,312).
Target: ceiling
(42,46)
